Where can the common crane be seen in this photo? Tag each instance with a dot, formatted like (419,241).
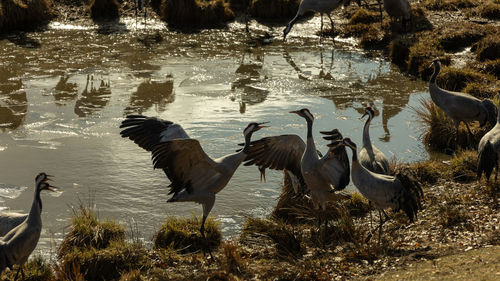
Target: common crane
(194,176)
(489,151)
(460,107)
(321,6)
(369,156)
(321,175)
(397,9)
(18,244)
(383,190)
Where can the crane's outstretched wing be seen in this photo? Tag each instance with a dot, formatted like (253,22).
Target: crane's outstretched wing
(150,131)
(277,153)
(335,164)
(185,164)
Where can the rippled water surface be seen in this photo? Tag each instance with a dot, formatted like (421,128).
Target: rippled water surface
(65,90)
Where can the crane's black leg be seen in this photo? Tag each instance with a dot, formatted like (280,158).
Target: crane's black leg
(331,24)
(17,273)
(202,231)
(321,29)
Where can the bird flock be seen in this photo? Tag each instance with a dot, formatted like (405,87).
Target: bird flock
(196,177)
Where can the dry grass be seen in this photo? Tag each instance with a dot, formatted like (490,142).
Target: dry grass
(428,172)
(104,264)
(104,9)
(459,35)
(195,13)
(88,232)
(463,166)
(456,79)
(184,235)
(399,50)
(17,15)
(421,55)
(489,11)
(364,16)
(488,48)
(232,260)
(448,5)
(481,90)
(439,130)
(36,269)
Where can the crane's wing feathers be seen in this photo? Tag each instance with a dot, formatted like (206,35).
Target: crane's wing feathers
(185,164)
(150,131)
(277,153)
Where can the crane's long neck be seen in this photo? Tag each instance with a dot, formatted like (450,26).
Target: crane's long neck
(367,143)
(36,207)
(437,69)
(354,157)
(246,148)
(309,128)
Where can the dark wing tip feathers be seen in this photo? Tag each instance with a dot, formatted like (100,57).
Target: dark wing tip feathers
(486,161)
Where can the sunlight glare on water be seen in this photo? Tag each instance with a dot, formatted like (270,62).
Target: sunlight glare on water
(65,90)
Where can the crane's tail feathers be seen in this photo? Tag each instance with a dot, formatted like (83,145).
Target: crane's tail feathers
(491,112)
(486,161)
(412,194)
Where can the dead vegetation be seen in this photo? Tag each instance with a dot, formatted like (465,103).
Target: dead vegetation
(19,15)
(184,14)
(104,9)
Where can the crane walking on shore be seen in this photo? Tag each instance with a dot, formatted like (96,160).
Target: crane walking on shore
(18,244)
(383,190)
(321,6)
(460,107)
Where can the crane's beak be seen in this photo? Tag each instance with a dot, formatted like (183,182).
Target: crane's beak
(336,144)
(53,188)
(295,111)
(49,178)
(263,126)
(364,115)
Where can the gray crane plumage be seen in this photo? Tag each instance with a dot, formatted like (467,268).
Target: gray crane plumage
(18,244)
(10,220)
(321,6)
(489,151)
(398,9)
(321,175)
(383,190)
(194,176)
(369,156)
(460,107)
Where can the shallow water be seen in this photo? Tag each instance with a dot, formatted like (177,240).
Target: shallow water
(65,90)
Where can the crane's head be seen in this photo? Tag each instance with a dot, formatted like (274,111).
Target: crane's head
(253,127)
(304,112)
(42,182)
(435,63)
(369,111)
(348,142)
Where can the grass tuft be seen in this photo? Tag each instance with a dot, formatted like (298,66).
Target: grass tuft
(421,55)
(456,79)
(133,275)
(448,5)
(88,232)
(184,235)
(490,11)
(480,90)
(464,166)
(104,264)
(231,260)
(439,130)
(364,16)
(104,9)
(288,245)
(36,269)
(428,172)
(18,15)
(456,36)
(488,48)
(195,13)
(399,50)
(451,214)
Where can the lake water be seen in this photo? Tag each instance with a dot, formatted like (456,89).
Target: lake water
(65,90)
